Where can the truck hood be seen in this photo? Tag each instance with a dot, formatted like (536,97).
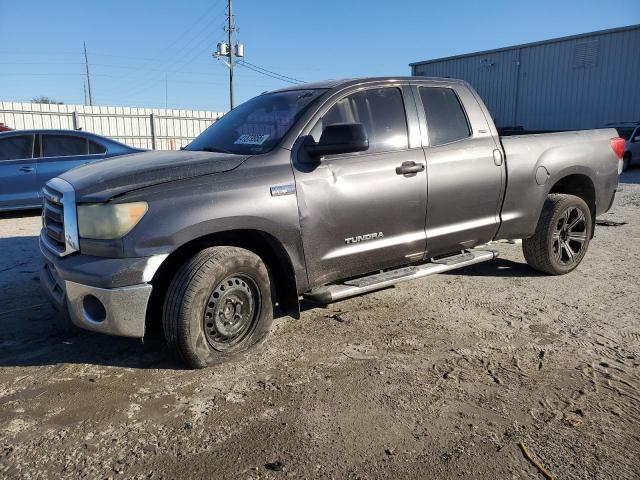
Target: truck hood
(102,180)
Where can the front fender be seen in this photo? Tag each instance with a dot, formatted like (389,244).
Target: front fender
(238,200)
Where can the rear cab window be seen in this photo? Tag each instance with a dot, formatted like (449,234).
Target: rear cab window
(380,110)
(16,147)
(446,118)
(63,146)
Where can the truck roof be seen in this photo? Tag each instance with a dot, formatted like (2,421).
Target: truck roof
(345,82)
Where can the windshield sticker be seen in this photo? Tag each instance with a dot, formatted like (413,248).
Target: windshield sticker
(251,139)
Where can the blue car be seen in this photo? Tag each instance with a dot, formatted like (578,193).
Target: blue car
(29,158)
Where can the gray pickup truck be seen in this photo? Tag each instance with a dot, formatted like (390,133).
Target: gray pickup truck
(323,190)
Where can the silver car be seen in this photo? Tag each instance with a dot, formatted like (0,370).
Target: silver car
(630,131)
(29,158)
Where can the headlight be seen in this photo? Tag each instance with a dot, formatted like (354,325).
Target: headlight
(109,221)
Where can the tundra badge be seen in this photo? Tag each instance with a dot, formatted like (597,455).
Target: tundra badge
(362,238)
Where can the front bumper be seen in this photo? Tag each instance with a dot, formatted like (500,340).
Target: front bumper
(115,311)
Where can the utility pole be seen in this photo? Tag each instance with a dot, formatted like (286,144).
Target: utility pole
(86,64)
(229,50)
(230,28)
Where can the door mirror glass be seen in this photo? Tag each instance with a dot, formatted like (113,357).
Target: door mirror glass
(340,138)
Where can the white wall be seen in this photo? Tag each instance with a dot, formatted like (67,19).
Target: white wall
(130,125)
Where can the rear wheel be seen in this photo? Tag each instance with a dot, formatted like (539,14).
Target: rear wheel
(562,235)
(218,305)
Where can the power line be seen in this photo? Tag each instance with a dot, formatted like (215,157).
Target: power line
(267,74)
(171,57)
(295,80)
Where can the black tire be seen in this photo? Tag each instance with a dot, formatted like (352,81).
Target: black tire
(230,283)
(626,162)
(555,231)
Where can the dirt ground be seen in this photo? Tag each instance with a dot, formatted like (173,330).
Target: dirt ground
(438,378)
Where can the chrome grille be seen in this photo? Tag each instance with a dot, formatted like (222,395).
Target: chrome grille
(53,218)
(59,218)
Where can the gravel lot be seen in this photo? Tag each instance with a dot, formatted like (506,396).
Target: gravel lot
(438,378)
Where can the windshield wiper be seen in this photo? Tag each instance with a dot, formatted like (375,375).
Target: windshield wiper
(215,150)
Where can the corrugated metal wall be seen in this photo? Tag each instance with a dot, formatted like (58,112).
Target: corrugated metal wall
(172,128)
(566,84)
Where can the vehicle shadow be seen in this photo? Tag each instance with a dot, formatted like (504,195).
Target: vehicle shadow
(34,212)
(33,333)
(500,267)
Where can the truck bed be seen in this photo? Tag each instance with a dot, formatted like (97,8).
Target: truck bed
(547,158)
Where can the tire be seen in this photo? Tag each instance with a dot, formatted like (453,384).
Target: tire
(626,162)
(229,283)
(565,225)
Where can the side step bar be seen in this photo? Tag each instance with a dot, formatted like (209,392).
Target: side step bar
(358,286)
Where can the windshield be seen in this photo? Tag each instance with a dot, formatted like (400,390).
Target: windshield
(257,125)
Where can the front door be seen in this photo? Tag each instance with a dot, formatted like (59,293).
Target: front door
(18,173)
(465,169)
(357,213)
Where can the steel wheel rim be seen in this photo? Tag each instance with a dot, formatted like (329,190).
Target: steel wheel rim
(569,236)
(231,311)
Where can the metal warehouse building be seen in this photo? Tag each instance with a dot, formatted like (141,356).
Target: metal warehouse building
(568,83)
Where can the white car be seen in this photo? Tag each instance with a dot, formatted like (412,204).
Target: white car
(630,131)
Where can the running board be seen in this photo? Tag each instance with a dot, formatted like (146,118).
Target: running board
(358,286)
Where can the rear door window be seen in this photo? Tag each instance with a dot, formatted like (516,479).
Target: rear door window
(446,120)
(379,110)
(63,146)
(16,147)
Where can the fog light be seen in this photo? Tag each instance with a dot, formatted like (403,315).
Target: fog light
(93,309)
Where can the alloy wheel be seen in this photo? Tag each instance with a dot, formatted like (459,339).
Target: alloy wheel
(569,236)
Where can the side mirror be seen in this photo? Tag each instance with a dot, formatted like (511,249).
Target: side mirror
(340,138)
(636,139)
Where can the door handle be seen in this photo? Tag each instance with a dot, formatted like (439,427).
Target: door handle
(26,169)
(497,157)
(409,168)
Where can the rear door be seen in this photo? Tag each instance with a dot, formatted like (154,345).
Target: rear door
(62,152)
(465,170)
(18,174)
(357,213)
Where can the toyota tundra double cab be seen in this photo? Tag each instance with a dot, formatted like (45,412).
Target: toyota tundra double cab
(323,190)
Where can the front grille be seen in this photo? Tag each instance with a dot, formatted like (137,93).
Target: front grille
(59,218)
(53,218)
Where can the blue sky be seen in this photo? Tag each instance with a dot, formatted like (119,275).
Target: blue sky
(134,45)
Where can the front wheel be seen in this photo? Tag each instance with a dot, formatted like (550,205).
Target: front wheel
(218,305)
(626,162)
(562,235)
